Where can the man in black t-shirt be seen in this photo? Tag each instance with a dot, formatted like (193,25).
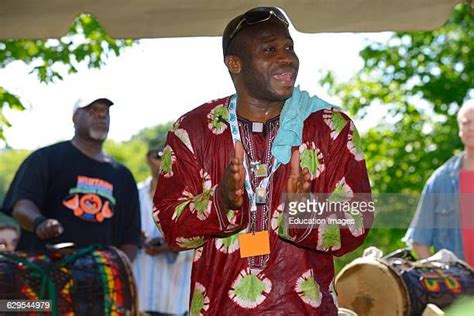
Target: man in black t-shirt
(73,192)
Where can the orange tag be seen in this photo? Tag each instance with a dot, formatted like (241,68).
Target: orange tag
(254,244)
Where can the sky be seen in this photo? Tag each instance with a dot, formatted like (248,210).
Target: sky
(158,80)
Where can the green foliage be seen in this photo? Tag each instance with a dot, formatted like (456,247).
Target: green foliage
(420,80)
(154,137)
(10,160)
(86,42)
(133,153)
(13,102)
(463,306)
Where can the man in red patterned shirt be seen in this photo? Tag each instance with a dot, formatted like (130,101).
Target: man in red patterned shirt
(229,163)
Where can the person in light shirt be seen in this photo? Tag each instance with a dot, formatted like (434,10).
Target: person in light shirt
(163,276)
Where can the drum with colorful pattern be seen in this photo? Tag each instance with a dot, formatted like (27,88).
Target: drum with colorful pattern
(394,285)
(94,280)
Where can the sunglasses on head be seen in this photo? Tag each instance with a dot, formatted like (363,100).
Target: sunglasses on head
(255,16)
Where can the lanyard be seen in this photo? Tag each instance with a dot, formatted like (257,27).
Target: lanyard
(234,128)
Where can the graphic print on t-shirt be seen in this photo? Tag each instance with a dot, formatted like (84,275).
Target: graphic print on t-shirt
(91,200)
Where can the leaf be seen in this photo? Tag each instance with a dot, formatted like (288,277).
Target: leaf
(86,41)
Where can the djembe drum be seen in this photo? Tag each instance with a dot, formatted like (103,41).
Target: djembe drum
(397,285)
(89,281)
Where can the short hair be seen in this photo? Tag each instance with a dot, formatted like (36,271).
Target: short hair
(237,24)
(237,46)
(465,106)
(226,40)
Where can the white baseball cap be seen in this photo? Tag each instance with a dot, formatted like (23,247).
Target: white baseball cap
(86,100)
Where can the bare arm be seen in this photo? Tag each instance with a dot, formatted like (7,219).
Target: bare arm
(26,212)
(130,250)
(421,250)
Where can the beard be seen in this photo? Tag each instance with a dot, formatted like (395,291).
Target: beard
(98,134)
(259,86)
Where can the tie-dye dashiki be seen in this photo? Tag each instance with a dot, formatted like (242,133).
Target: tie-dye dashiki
(297,277)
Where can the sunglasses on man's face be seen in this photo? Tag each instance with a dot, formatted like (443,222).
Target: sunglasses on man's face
(255,16)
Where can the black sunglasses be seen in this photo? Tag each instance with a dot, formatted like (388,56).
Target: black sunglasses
(255,16)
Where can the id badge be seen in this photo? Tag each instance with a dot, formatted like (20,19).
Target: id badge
(260,196)
(257,127)
(261,171)
(254,244)
(254,165)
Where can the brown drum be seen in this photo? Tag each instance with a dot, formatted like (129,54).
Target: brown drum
(397,286)
(89,281)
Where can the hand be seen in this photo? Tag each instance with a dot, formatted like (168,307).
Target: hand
(299,180)
(153,249)
(231,189)
(48,229)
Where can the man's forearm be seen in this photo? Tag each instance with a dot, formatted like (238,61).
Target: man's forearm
(130,250)
(26,212)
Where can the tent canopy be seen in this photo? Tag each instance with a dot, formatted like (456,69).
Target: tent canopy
(175,18)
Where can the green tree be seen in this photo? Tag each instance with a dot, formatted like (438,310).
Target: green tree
(86,42)
(10,161)
(420,79)
(154,137)
(133,152)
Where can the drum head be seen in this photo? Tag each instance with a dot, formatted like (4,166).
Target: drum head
(369,287)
